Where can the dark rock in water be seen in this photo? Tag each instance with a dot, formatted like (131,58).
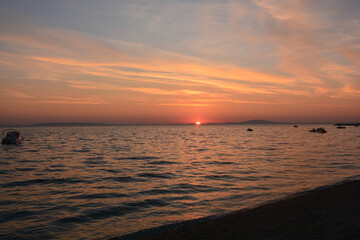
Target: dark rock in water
(11,136)
(318,130)
(249,130)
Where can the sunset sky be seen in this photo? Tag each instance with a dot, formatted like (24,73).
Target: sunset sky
(179,61)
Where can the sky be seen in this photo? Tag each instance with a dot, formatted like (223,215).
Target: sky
(179,61)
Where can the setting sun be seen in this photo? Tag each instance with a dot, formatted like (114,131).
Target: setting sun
(198,123)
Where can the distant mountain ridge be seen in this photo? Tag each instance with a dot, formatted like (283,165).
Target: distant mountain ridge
(256,121)
(66,124)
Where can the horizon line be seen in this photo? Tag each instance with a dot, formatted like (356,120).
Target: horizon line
(265,122)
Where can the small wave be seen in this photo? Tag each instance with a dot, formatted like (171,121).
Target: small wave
(81,150)
(220,177)
(224,155)
(162,162)
(244,196)
(137,158)
(55,192)
(192,188)
(30,161)
(148,203)
(86,139)
(112,170)
(347,155)
(344,166)
(31,150)
(122,179)
(97,214)
(76,219)
(25,169)
(98,195)
(246,172)
(15,215)
(155,192)
(263,149)
(221,162)
(254,178)
(339,163)
(202,149)
(95,158)
(94,162)
(43,181)
(54,170)
(8,202)
(250,188)
(57,165)
(109,212)
(156,175)
(177,198)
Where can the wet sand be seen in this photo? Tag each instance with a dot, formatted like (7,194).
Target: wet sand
(328,213)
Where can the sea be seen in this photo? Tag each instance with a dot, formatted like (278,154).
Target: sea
(100,182)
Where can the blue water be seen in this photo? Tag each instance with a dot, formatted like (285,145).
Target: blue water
(101,182)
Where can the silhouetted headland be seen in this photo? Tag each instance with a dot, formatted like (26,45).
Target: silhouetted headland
(67,124)
(255,122)
(347,124)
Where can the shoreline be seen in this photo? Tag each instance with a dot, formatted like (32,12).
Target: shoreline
(326,212)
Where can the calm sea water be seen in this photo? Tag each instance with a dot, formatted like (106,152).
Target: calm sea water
(101,182)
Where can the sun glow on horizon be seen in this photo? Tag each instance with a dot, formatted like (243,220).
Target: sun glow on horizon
(198,123)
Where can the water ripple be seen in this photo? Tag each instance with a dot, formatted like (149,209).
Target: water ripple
(123,179)
(221,177)
(43,181)
(98,195)
(191,188)
(162,162)
(136,158)
(156,175)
